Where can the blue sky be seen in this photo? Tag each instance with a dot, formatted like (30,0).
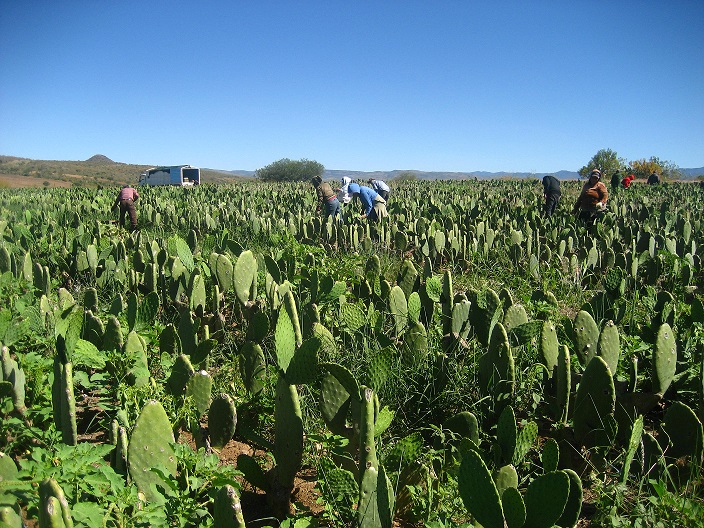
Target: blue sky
(359,85)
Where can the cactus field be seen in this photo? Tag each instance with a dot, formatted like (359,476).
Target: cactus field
(465,362)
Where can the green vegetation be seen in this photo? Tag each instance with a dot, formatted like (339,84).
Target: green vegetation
(608,162)
(464,361)
(286,170)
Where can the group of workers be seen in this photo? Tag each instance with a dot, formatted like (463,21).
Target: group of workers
(591,202)
(373,198)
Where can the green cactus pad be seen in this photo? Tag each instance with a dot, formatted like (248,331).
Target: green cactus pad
(664,359)
(505,477)
(594,404)
(507,434)
(380,368)
(459,323)
(586,336)
(69,432)
(563,383)
(464,424)
(610,346)
(187,333)
(181,372)
(549,347)
(542,512)
(303,367)
(550,455)
(685,432)
(573,506)
(485,314)
(398,306)
(288,432)
(478,492)
(222,421)
(227,510)
(284,338)
(258,327)
(415,344)
(244,274)
(634,443)
(414,307)
(335,403)
(224,272)
(148,309)
(407,278)
(352,316)
(497,371)
(150,446)
(200,387)
(524,442)
(514,316)
(252,367)
(514,508)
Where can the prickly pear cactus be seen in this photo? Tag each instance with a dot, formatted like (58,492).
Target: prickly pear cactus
(563,383)
(222,421)
(594,405)
(685,431)
(415,344)
(150,446)
(541,512)
(398,307)
(245,274)
(478,491)
(497,371)
(586,336)
(227,510)
(610,346)
(549,347)
(573,506)
(484,314)
(664,359)
(54,510)
(199,387)
(252,367)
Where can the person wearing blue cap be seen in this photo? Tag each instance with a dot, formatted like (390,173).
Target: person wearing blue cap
(373,205)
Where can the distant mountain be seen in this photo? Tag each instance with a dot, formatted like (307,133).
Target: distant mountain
(100,159)
(693,173)
(423,175)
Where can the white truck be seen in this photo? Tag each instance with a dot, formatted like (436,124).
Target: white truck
(180,175)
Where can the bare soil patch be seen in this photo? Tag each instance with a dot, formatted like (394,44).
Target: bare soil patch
(17,181)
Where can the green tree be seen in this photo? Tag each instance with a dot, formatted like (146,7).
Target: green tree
(606,160)
(667,170)
(290,170)
(406,176)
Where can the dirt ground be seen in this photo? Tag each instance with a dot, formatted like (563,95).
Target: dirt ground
(14,181)
(254,506)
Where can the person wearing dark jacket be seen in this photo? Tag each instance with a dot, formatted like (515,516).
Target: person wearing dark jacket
(616,180)
(653,179)
(327,198)
(125,201)
(551,193)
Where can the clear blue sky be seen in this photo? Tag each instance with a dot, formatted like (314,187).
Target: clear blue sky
(360,85)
